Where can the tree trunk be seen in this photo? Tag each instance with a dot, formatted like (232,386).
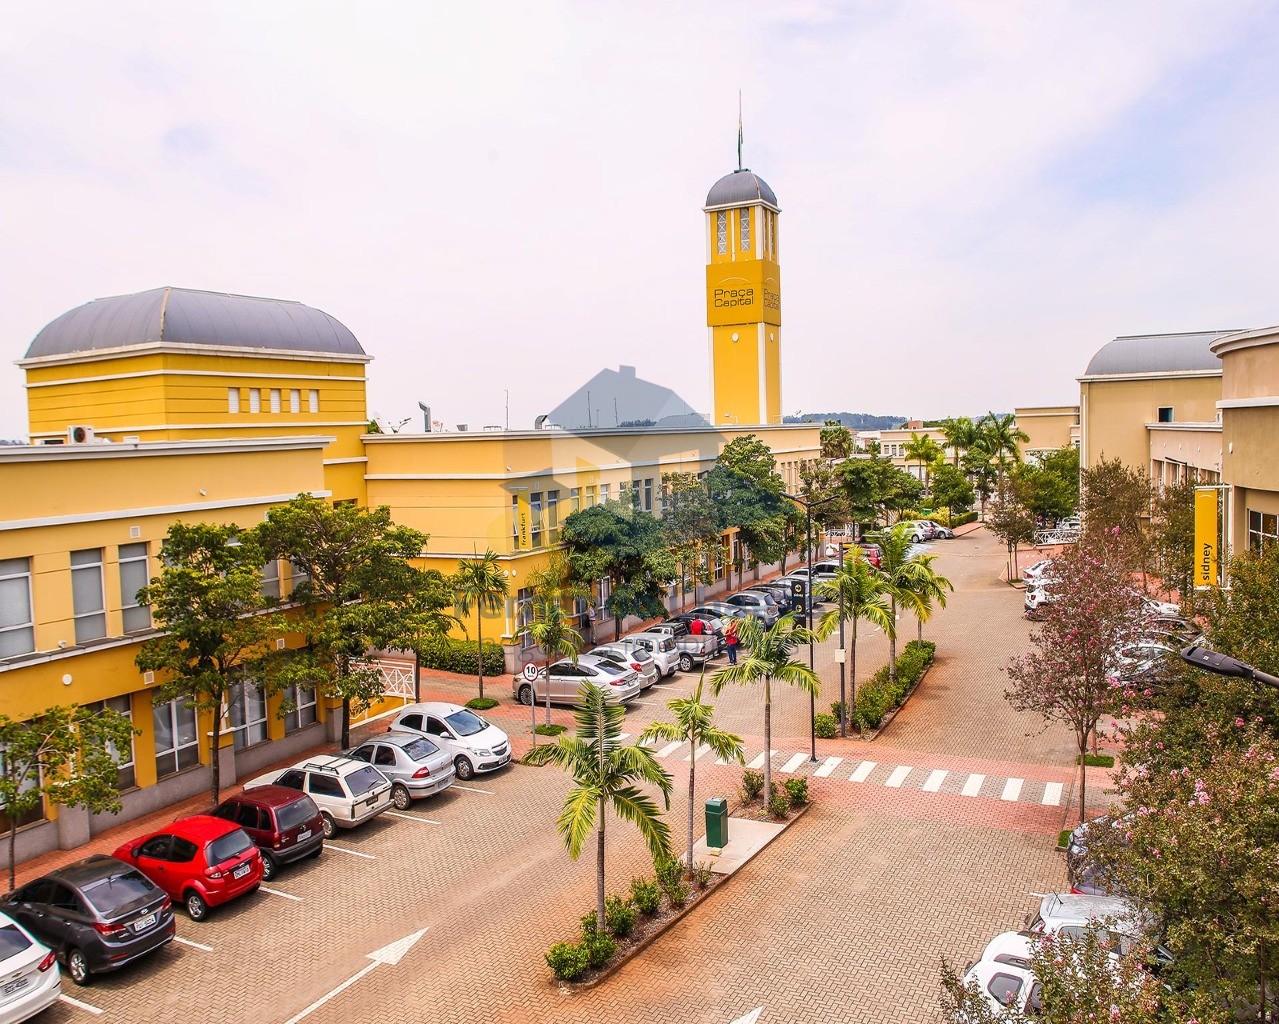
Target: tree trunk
(346,722)
(919,623)
(1083,775)
(599,870)
(692,772)
(892,643)
(768,743)
(215,753)
(852,671)
(479,645)
(13,842)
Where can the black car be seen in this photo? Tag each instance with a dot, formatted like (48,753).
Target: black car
(97,914)
(781,592)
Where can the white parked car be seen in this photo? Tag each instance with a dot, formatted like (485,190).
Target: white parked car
(1156,607)
(29,972)
(920,530)
(474,744)
(564,680)
(1033,572)
(1003,986)
(348,792)
(660,646)
(941,532)
(636,657)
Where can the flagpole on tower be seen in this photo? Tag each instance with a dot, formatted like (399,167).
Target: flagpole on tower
(739,129)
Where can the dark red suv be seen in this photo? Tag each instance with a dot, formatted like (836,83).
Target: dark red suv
(285,824)
(202,861)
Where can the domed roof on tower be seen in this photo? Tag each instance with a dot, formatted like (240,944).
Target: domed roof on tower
(741,188)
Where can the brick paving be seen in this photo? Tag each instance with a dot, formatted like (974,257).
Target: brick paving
(844,918)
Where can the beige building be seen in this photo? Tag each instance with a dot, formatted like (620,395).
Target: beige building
(1048,427)
(1249,408)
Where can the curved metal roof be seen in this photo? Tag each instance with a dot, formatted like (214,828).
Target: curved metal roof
(741,188)
(185,316)
(1156,353)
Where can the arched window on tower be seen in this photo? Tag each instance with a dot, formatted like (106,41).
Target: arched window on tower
(721,231)
(746,230)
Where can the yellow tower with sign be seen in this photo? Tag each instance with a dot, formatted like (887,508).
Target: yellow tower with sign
(743,300)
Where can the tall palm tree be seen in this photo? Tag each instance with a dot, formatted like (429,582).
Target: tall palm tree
(924,451)
(900,573)
(860,593)
(769,656)
(1002,436)
(694,724)
(604,775)
(557,639)
(961,433)
(480,583)
(930,588)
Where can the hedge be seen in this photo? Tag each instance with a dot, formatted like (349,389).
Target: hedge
(879,695)
(459,656)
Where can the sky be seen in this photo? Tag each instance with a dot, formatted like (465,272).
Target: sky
(507,197)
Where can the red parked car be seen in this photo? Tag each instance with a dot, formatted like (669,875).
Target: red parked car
(872,553)
(200,861)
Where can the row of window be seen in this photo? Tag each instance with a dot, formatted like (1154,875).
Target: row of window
(544,507)
(1263,529)
(724,228)
(274,399)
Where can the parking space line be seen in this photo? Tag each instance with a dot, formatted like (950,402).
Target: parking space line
(758,763)
(1012,790)
(354,853)
(640,704)
(898,776)
(1052,794)
(193,945)
(96,1011)
(793,764)
(973,785)
(670,748)
(280,893)
(472,789)
(863,772)
(411,817)
(934,781)
(828,766)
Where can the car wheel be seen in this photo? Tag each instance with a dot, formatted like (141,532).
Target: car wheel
(197,906)
(685,663)
(400,797)
(316,852)
(526,695)
(465,770)
(78,967)
(269,867)
(326,823)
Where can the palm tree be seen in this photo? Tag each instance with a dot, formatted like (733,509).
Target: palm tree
(557,639)
(604,774)
(929,587)
(900,573)
(480,583)
(768,657)
(961,433)
(694,724)
(861,594)
(1002,435)
(924,451)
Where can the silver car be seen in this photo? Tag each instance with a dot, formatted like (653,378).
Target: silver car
(659,646)
(564,679)
(634,657)
(415,765)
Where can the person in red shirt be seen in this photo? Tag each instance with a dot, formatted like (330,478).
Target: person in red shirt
(730,640)
(696,627)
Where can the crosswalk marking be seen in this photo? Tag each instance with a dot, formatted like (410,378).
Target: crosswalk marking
(670,748)
(934,781)
(793,764)
(828,766)
(898,776)
(973,786)
(863,772)
(623,736)
(758,763)
(1052,794)
(1012,789)
(650,742)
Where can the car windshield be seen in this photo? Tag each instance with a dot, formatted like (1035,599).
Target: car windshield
(465,723)
(297,813)
(230,845)
(364,780)
(420,749)
(609,669)
(12,941)
(107,895)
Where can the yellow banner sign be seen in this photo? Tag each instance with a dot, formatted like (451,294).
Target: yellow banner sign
(1206,540)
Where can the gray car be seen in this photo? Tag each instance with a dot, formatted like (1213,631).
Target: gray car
(631,657)
(415,765)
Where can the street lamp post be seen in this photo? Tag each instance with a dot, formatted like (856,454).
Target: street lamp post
(843,655)
(1224,665)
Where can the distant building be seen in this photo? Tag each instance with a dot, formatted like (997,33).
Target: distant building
(616,398)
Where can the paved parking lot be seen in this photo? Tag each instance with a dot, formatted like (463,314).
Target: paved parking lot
(923,843)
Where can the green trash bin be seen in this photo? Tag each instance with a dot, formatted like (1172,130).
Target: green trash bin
(716,823)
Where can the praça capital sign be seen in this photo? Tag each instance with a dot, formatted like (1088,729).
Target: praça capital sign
(743,293)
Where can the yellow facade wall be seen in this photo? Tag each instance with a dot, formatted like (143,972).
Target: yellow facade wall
(1048,427)
(1114,413)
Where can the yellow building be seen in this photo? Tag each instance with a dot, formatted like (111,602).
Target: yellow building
(1048,427)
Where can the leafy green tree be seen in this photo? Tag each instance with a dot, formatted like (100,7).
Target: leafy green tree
(695,725)
(1000,439)
(858,592)
(769,657)
(1172,536)
(480,583)
(1116,497)
(217,631)
(690,521)
(1011,520)
(1244,620)
(1051,487)
(901,574)
(876,489)
(550,630)
(359,592)
(65,755)
(951,490)
(747,489)
(626,546)
(821,488)
(604,775)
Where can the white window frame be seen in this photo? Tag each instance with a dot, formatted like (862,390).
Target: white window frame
(247,714)
(305,705)
(17,569)
(271,578)
(295,400)
(129,601)
(255,400)
(123,706)
(176,752)
(275,399)
(314,398)
(84,633)
(721,232)
(233,400)
(744,224)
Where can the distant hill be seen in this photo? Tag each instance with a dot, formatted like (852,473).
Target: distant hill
(852,420)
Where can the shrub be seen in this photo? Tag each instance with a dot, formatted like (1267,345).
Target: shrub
(752,783)
(826,726)
(460,656)
(836,708)
(779,805)
(646,895)
(549,730)
(873,703)
(481,703)
(879,695)
(670,876)
(702,875)
(599,948)
(797,791)
(619,916)
(569,960)
(590,924)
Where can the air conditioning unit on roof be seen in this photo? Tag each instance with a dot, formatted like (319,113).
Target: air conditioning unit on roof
(80,435)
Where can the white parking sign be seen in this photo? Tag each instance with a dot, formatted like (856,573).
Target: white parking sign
(529,672)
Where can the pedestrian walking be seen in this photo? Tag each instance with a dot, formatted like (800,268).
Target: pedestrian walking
(730,640)
(590,625)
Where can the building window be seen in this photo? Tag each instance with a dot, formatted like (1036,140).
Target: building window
(30,817)
(295,400)
(1165,414)
(574,499)
(648,494)
(590,495)
(248,714)
(17,628)
(297,576)
(1263,529)
(87,596)
(232,399)
(275,399)
(315,400)
(303,703)
(134,575)
(553,517)
(535,517)
(721,231)
(603,493)
(746,230)
(515,521)
(122,706)
(271,579)
(255,399)
(177,743)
